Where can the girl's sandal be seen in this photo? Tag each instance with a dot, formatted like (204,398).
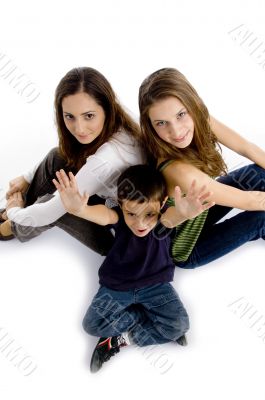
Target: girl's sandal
(9,237)
(4,237)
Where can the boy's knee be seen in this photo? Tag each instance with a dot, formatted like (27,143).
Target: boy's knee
(89,328)
(87,325)
(180,326)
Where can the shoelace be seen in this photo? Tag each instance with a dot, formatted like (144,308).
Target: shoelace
(111,352)
(105,356)
(121,341)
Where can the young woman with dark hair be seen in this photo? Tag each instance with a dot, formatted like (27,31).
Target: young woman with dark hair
(97,141)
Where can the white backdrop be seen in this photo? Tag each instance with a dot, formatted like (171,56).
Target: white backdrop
(46,284)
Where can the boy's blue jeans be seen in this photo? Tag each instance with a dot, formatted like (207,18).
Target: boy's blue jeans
(218,239)
(151,315)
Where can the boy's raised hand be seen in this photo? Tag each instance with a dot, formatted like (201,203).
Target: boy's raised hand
(72,200)
(194,203)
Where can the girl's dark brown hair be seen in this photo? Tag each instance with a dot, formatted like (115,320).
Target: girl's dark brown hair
(92,82)
(203,150)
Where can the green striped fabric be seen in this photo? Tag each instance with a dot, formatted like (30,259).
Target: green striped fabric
(187,233)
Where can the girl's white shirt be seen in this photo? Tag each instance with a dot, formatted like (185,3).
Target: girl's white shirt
(98,176)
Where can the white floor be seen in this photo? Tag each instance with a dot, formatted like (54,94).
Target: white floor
(47,284)
(45,288)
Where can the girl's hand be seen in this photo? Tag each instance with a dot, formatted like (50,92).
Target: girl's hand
(194,203)
(15,200)
(72,200)
(18,184)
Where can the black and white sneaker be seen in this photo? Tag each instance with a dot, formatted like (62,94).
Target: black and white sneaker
(106,348)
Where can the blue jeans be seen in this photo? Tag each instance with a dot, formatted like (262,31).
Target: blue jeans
(218,239)
(151,315)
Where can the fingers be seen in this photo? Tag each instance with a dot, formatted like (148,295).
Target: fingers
(15,200)
(199,193)
(194,192)
(73,183)
(10,192)
(191,189)
(17,196)
(208,205)
(205,196)
(63,179)
(177,194)
(57,185)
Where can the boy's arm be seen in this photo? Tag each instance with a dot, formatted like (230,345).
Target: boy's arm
(194,203)
(76,204)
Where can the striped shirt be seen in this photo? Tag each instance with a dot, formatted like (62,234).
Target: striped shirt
(187,233)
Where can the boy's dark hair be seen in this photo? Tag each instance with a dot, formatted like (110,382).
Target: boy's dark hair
(141,183)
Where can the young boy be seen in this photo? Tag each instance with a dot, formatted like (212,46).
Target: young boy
(135,302)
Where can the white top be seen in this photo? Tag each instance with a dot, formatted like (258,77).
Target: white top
(30,174)
(98,176)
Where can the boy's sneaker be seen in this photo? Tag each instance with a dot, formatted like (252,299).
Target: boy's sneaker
(106,348)
(182,340)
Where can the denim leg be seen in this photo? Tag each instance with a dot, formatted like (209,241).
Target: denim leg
(166,318)
(224,237)
(218,239)
(249,177)
(111,313)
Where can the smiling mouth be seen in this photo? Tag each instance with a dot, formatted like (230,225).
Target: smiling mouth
(83,136)
(182,138)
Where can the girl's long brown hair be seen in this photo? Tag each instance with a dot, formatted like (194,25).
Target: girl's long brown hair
(203,150)
(92,82)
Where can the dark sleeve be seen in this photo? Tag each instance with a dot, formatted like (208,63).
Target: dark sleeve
(120,221)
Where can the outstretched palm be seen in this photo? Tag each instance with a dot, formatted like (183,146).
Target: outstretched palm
(194,203)
(67,187)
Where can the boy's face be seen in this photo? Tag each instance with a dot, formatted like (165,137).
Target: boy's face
(140,218)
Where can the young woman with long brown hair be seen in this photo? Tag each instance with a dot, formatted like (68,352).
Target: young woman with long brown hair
(97,141)
(179,135)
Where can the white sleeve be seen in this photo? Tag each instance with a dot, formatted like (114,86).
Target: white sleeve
(30,174)
(92,178)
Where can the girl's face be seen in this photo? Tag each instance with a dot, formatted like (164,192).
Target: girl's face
(171,121)
(83,117)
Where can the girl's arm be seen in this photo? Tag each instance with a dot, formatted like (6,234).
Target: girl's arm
(237,143)
(182,175)
(99,174)
(76,204)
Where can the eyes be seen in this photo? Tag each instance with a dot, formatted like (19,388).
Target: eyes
(147,215)
(180,116)
(87,116)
